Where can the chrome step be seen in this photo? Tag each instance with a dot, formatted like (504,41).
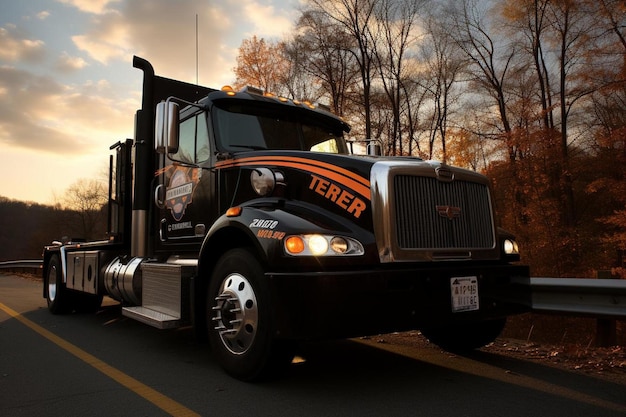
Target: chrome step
(151,317)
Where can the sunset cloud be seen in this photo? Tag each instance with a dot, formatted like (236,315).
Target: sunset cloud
(38,113)
(67,86)
(261,16)
(67,63)
(91,6)
(14,48)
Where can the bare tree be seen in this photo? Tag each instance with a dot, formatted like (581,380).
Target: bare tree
(394,36)
(490,59)
(299,82)
(527,19)
(324,52)
(87,199)
(612,21)
(354,18)
(443,66)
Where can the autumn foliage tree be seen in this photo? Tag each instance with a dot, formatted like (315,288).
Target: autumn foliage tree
(261,64)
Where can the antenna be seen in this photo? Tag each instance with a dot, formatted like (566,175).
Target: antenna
(196,48)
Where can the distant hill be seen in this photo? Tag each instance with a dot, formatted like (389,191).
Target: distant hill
(26,227)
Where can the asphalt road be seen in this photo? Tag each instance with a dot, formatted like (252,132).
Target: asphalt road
(108,365)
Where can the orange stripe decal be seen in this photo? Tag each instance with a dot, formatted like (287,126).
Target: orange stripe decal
(334,173)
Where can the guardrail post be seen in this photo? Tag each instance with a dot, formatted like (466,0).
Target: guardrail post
(606,333)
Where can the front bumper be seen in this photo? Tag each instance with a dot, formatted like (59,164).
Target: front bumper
(323,305)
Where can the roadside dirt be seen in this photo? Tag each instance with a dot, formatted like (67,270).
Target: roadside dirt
(591,360)
(608,363)
(565,342)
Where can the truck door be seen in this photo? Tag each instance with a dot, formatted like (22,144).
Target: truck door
(185,185)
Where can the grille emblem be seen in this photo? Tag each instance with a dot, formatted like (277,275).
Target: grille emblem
(449,212)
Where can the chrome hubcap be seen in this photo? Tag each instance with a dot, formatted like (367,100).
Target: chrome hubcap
(235,315)
(52,283)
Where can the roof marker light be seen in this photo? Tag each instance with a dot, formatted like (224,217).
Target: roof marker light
(253,90)
(228,90)
(324,107)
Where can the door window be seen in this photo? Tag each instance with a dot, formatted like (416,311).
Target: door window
(193,145)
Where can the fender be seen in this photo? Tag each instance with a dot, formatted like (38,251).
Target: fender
(250,228)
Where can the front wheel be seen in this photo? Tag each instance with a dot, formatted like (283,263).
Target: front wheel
(464,337)
(240,324)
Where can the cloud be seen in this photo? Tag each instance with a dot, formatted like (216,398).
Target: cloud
(108,38)
(14,47)
(41,114)
(266,18)
(164,32)
(67,95)
(66,63)
(25,98)
(90,6)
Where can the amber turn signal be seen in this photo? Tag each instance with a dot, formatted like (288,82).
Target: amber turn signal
(233,211)
(294,244)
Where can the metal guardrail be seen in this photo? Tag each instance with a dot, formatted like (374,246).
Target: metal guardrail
(600,298)
(22,264)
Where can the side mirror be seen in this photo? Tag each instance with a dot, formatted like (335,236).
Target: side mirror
(374,148)
(166,127)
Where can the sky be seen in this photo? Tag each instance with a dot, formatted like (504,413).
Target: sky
(68,89)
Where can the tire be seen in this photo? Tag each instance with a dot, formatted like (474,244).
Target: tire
(57,295)
(239,324)
(465,337)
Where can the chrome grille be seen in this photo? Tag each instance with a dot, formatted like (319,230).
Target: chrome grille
(432,214)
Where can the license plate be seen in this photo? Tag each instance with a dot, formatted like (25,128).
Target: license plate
(464,292)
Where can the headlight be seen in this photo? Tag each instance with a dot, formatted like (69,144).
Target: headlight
(339,244)
(322,245)
(318,245)
(510,247)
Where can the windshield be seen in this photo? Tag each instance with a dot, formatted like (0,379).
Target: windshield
(240,127)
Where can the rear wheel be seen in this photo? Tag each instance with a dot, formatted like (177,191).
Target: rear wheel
(240,325)
(464,337)
(57,295)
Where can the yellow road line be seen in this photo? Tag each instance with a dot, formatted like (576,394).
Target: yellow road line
(163,402)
